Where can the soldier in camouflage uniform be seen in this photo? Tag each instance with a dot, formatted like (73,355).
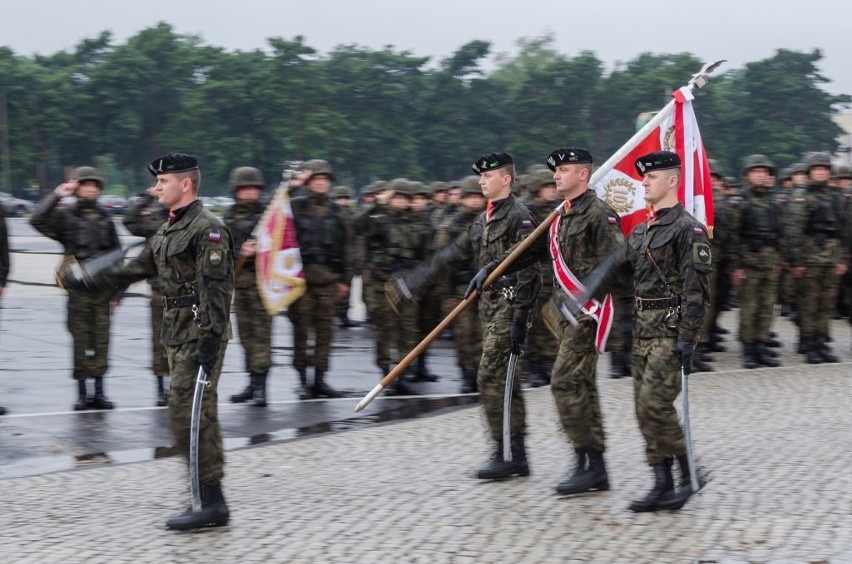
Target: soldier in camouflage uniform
(398,243)
(85,231)
(817,254)
(467,330)
(843,180)
(254,324)
(504,307)
(542,344)
(755,241)
(4,262)
(588,231)
(193,258)
(144,219)
(326,243)
(670,258)
(429,312)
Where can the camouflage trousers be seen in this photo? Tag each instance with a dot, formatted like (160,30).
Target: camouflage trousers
(254,326)
(541,343)
(496,315)
(312,313)
(391,329)
(467,334)
(184,372)
(818,289)
(757,303)
(575,389)
(88,322)
(159,359)
(656,385)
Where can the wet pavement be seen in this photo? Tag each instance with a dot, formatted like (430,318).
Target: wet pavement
(43,434)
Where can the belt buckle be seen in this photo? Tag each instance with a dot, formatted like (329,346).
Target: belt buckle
(638,302)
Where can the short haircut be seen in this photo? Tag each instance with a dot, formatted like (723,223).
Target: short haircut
(510,170)
(194,177)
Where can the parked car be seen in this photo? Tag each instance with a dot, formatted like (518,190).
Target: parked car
(15,207)
(115,205)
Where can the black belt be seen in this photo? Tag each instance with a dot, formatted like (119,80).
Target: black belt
(503,283)
(671,302)
(180,301)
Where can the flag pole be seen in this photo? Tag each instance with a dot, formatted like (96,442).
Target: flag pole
(698,80)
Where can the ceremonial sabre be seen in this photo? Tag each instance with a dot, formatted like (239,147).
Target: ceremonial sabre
(194,487)
(687,435)
(507,407)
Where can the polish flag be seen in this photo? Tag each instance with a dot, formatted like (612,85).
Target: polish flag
(621,187)
(280,274)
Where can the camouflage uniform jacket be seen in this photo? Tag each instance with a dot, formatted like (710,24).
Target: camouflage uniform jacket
(451,228)
(814,227)
(397,241)
(195,254)
(241,218)
(84,229)
(325,239)
(144,219)
(681,249)
(589,230)
(488,243)
(757,232)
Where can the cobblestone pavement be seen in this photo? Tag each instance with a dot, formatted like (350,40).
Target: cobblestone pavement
(776,442)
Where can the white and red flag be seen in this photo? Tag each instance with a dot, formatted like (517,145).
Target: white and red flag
(677,130)
(280,275)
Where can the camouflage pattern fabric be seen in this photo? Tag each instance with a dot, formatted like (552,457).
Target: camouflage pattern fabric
(313,313)
(88,323)
(159,357)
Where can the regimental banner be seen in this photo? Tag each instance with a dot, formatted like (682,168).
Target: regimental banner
(622,189)
(280,275)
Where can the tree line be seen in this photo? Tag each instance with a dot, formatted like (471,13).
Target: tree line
(375,113)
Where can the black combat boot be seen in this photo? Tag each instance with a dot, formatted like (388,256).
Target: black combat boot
(423,374)
(305,392)
(321,389)
(2,411)
(701,359)
(674,500)
(260,389)
(663,485)
(100,401)
(763,356)
(248,393)
(82,397)
(813,352)
(468,380)
(586,479)
(540,371)
(719,330)
(399,388)
(162,394)
(214,511)
(824,350)
(499,469)
(749,360)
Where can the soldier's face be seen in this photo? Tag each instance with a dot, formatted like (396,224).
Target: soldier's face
(660,185)
(548,193)
(399,202)
(819,173)
(419,203)
(757,176)
(475,202)
(569,180)
(172,188)
(88,190)
(800,178)
(495,184)
(319,183)
(247,194)
(454,195)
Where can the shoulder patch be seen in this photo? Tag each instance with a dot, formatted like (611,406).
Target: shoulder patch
(611,219)
(697,230)
(526,223)
(701,253)
(214,236)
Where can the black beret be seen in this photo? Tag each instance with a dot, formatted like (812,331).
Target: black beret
(660,160)
(492,161)
(568,155)
(173,162)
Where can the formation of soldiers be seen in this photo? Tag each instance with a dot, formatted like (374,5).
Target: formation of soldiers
(779,239)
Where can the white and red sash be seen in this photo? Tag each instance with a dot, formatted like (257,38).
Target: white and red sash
(602,313)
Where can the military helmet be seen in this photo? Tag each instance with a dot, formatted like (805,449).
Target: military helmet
(470,185)
(798,168)
(417,188)
(534,169)
(715,168)
(817,159)
(844,172)
(439,186)
(731,182)
(83,173)
(379,186)
(400,186)
(341,192)
(786,174)
(318,166)
(246,176)
(539,180)
(758,161)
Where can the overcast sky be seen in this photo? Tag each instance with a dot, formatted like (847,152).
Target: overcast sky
(616,30)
